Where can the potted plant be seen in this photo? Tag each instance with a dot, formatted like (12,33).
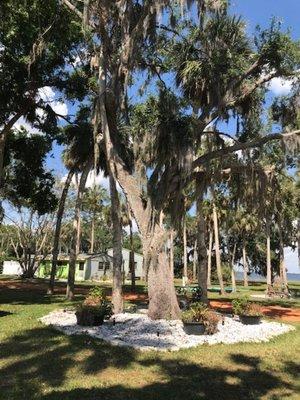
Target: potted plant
(249,313)
(199,320)
(94,309)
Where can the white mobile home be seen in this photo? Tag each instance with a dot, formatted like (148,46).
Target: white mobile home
(138,263)
(12,268)
(92,266)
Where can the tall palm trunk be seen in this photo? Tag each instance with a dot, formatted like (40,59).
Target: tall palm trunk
(92,235)
(131,256)
(171,255)
(245,266)
(210,243)
(269,266)
(185,267)
(282,267)
(59,217)
(117,298)
(217,249)
(233,282)
(75,245)
(202,250)
(195,261)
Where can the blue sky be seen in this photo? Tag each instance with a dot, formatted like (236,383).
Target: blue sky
(254,12)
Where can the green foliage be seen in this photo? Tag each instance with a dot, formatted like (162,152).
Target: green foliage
(199,312)
(97,293)
(27,182)
(243,306)
(37,40)
(95,308)
(226,273)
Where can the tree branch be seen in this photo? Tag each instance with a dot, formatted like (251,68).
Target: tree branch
(73,8)
(242,146)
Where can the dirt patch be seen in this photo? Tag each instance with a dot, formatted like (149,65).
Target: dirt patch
(285,314)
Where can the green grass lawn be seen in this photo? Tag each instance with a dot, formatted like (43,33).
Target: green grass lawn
(36,362)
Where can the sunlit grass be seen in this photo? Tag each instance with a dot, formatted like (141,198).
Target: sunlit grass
(37,362)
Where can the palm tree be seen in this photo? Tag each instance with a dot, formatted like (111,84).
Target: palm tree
(59,217)
(127,221)
(217,247)
(75,244)
(79,144)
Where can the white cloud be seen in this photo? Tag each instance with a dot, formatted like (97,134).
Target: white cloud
(101,180)
(98,180)
(47,94)
(28,127)
(280,86)
(134,227)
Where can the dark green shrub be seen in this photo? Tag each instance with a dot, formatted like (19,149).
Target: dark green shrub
(200,313)
(94,309)
(226,274)
(243,306)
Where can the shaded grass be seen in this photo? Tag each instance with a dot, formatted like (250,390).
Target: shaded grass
(37,362)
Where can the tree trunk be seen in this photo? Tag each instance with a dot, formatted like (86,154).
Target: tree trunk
(76,231)
(131,256)
(59,217)
(210,243)
(298,241)
(185,267)
(160,284)
(245,266)
(282,267)
(117,298)
(92,235)
(269,267)
(163,302)
(3,137)
(202,250)
(233,282)
(171,259)
(195,261)
(217,249)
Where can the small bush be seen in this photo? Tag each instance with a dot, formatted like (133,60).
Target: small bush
(96,293)
(94,309)
(242,306)
(199,312)
(226,274)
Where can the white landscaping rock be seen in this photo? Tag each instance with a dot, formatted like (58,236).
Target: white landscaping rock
(140,332)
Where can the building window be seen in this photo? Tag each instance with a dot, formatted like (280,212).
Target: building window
(61,263)
(107,265)
(81,266)
(100,265)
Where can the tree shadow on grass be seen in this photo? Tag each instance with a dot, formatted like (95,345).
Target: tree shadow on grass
(186,380)
(27,297)
(5,313)
(42,357)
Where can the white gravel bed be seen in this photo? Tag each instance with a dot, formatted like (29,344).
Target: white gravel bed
(140,332)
